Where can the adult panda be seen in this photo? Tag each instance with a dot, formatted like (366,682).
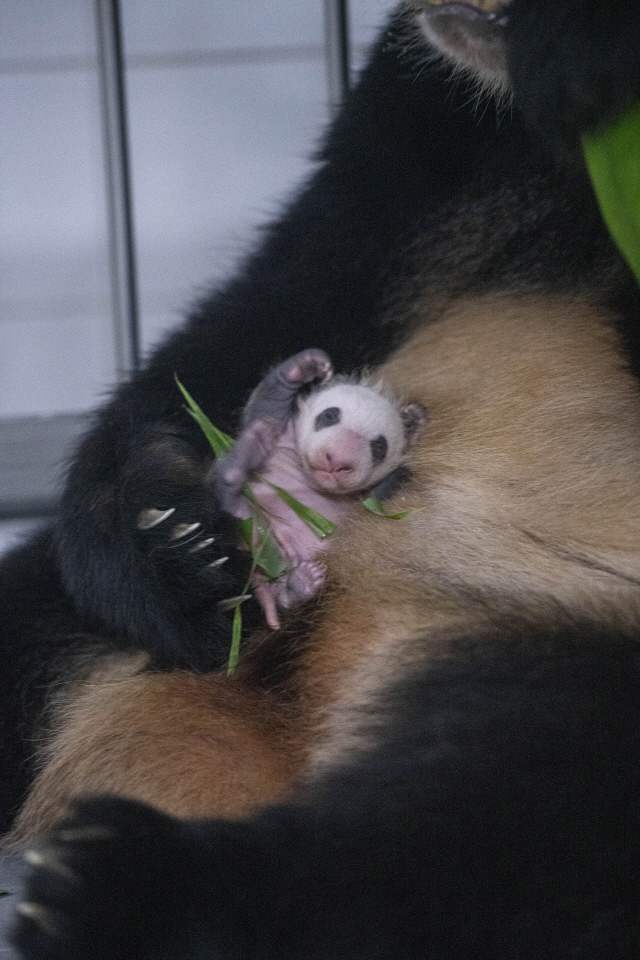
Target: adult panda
(449,740)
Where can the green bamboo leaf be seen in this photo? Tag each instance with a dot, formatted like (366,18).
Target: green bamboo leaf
(613,161)
(377,506)
(266,555)
(236,632)
(220,442)
(321,526)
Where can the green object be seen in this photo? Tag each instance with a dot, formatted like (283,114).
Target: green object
(270,560)
(236,627)
(236,632)
(220,442)
(613,161)
(321,526)
(377,506)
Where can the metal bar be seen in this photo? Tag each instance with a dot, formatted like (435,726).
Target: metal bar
(124,286)
(337,53)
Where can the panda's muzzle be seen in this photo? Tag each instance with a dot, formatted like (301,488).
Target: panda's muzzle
(468,9)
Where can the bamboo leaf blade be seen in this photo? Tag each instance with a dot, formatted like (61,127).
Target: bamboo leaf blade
(613,161)
(236,633)
(321,526)
(220,442)
(267,555)
(377,506)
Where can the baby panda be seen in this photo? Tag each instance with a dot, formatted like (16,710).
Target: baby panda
(325,445)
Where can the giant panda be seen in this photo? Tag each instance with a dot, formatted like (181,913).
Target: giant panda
(438,758)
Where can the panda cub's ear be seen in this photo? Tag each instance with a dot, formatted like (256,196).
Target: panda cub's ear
(414,416)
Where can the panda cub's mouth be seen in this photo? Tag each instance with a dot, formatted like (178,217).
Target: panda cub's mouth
(468,33)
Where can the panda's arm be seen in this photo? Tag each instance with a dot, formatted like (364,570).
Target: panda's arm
(141,543)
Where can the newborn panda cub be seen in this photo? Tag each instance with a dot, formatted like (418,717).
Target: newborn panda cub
(326,441)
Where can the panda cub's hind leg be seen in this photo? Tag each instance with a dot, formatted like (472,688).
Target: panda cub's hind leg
(300,584)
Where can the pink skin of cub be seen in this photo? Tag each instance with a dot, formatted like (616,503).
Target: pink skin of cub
(297,543)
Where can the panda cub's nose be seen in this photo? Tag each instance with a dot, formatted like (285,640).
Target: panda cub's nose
(331,461)
(334,463)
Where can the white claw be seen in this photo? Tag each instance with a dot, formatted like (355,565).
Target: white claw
(48,861)
(202,545)
(39,915)
(233,602)
(147,519)
(217,563)
(183,529)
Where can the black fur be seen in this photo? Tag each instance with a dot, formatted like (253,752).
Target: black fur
(498,819)
(574,64)
(328,418)
(379,448)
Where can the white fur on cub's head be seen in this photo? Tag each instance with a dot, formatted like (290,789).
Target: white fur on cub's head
(349,436)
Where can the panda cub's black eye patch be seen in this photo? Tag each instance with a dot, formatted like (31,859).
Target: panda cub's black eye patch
(328,418)
(379,448)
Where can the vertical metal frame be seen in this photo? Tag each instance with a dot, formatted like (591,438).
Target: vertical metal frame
(337,52)
(124,283)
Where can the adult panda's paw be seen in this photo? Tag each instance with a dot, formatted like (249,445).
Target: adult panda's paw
(184,556)
(190,542)
(112,882)
(146,552)
(574,64)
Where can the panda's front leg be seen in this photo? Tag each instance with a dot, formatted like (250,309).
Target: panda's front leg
(118,880)
(144,547)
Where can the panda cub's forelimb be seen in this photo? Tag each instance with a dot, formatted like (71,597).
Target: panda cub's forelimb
(250,452)
(264,420)
(275,396)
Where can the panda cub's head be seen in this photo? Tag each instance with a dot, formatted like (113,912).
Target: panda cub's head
(349,437)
